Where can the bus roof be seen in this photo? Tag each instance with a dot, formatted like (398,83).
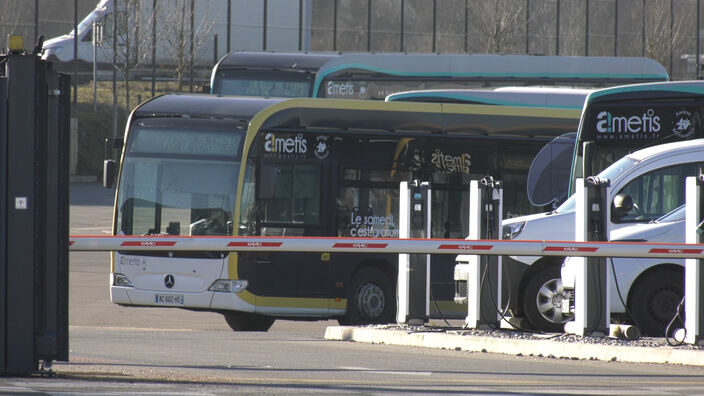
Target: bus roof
(569,98)
(534,67)
(373,116)
(649,92)
(293,61)
(203,106)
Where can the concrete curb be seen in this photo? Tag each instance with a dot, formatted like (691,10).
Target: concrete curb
(518,347)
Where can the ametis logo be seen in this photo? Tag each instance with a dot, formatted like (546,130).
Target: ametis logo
(450,163)
(322,148)
(645,123)
(285,145)
(683,125)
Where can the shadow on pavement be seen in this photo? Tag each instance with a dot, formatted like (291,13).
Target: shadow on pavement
(91,194)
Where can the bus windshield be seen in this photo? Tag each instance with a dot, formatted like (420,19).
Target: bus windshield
(178,180)
(280,84)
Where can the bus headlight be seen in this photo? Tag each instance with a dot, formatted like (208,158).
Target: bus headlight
(121,280)
(512,230)
(228,285)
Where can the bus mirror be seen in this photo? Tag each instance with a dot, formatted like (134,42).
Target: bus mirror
(621,205)
(109,169)
(266,185)
(112,143)
(549,173)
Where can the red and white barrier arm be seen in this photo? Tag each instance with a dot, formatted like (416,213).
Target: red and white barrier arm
(380,245)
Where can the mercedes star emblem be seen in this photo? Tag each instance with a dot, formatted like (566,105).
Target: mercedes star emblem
(169,281)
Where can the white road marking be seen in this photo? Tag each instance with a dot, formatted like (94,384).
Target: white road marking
(393,372)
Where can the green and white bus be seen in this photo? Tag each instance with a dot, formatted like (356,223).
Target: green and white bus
(375,76)
(271,74)
(208,165)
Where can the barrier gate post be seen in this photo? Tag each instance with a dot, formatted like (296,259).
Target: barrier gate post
(34,204)
(591,301)
(693,275)
(484,272)
(413,286)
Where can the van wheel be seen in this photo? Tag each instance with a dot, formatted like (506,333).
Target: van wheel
(241,321)
(654,301)
(542,301)
(370,298)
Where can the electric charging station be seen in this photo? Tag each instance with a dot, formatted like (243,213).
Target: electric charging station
(413,286)
(693,274)
(34,196)
(591,300)
(484,272)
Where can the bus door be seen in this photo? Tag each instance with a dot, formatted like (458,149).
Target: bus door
(290,204)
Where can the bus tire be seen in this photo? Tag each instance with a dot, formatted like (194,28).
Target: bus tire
(240,321)
(370,298)
(654,301)
(541,301)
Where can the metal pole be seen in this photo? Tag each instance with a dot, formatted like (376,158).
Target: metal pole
(586,34)
(191,57)
(643,27)
(215,49)
(527,26)
(435,23)
(154,19)
(75,52)
(698,30)
(369,25)
(466,26)
(334,25)
(300,25)
(95,65)
(615,27)
(229,23)
(557,30)
(36,20)
(114,71)
(672,27)
(403,6)
(264,24)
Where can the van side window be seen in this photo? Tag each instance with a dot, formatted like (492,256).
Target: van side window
(658,192)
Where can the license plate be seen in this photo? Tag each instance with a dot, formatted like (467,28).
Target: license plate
(168,299)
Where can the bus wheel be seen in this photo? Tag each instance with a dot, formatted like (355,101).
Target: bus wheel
(240,321)
(542,301)
(370,298)
(654,302)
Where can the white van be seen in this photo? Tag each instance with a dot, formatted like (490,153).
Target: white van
(210,19)
(643,291)
(653,177)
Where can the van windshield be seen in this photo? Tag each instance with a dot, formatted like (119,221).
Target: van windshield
(676,215)
(87,22)
(612,172)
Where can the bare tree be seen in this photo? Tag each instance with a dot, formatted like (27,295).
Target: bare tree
(10,21)
(132,24)
(498,22)
(662,32)
(180,37)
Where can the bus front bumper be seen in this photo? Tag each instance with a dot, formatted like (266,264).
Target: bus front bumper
(209,300)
